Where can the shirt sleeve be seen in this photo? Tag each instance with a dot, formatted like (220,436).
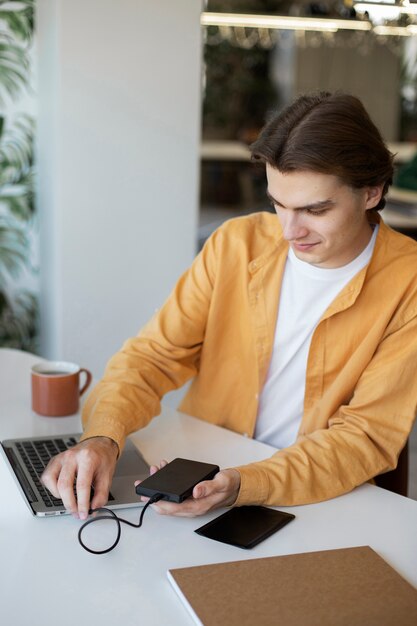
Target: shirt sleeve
(161,358)
(364,437)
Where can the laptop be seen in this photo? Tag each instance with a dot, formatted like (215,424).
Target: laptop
(28,457)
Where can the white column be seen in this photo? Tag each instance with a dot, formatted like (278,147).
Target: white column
(119,128)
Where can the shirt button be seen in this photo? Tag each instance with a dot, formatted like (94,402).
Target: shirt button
(256,396)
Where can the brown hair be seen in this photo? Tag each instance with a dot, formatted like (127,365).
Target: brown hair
(327,133)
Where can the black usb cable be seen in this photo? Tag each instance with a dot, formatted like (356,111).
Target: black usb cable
(112,516)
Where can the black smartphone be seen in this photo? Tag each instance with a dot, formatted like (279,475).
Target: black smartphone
(245,526)
(176,481)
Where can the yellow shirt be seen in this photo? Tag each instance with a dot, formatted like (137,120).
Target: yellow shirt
(218,326)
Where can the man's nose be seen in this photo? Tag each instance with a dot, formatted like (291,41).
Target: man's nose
(293,226)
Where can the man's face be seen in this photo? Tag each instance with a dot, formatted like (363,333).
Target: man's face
(323,220)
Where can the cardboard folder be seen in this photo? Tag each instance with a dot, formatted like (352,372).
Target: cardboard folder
(346,587)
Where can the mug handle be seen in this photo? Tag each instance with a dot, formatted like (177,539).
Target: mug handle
(89,378)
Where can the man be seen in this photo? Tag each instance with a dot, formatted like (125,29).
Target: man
(298,328)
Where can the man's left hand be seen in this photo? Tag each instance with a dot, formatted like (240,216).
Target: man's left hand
(222,490)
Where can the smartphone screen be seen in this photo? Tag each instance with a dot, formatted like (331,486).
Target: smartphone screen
(245,526)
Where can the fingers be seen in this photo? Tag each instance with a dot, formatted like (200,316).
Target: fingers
(101,491)
(155,468)
(207,495)
(66,488)
(50,476)
(93,470)
(90,463)
(152,470)
(222,490)
(205,489)
(58,478)
(225,485)
(84,482)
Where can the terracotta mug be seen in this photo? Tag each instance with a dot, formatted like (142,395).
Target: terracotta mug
(56,388)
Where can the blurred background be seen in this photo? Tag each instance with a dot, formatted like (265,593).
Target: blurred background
(124,134)
(250,71)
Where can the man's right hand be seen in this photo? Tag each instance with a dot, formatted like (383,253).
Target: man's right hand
(89,463)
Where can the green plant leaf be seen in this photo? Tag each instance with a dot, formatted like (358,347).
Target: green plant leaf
(18,201)
(13,248)
(16,194)
(16,150)
(19,21)
(19,321)
(14,68)
(18,310)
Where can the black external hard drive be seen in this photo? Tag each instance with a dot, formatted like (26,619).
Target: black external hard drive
(176,481)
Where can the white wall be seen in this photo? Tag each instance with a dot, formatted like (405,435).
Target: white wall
(119,127)
(374,77)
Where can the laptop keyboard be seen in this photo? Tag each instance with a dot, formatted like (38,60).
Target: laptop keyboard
(36,456)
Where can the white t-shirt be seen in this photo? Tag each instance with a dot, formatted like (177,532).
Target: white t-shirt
(306,293)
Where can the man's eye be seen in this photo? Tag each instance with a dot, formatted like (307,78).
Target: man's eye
(317,211)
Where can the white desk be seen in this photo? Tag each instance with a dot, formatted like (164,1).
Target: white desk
(47,578)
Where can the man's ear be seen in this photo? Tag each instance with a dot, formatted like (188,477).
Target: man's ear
(373,196)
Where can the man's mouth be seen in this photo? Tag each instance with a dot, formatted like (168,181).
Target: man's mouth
(303,247)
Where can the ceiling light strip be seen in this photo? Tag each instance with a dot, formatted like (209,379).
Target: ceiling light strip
(282,22)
